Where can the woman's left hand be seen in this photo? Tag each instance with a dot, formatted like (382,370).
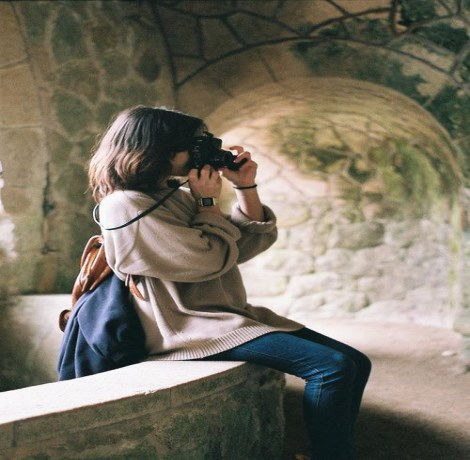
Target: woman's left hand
(245,176)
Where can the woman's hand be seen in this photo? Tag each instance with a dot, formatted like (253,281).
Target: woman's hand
(208,184)
(245,176)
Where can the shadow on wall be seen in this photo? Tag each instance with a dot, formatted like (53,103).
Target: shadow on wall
(30,340)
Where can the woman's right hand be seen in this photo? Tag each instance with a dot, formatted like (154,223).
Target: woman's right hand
(208,184)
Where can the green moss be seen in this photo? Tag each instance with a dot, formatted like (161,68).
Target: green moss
(444,35)
(72,245)
(337,30)
(35,16)
(86,144)
(296,139)
(422,181)
(105,113)
(72,113)
(463,156)
(464,71)
(375,30)
(412,11)
(371,30)
(130,92)
(67,38)
(454,245)
(343,60)
(105,37)
(79,6)
(358,174)
(394,77)
(72,182)
(452,276)
(414,183)
(411,183)
(148,66)
(80,78)
(339,58)
(115,64)
(59,147)
(452,108)
(394,192)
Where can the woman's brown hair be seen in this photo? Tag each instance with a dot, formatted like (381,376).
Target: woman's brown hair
(134,152)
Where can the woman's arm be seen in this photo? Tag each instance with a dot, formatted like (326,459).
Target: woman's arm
(164,245)
(256,236)
(250,203)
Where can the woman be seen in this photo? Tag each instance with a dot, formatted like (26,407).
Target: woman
(185,258)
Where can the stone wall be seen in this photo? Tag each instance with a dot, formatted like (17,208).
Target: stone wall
(360,232)
(149,410)
(69,67)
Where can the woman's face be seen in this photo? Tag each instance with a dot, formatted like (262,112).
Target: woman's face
(180,164)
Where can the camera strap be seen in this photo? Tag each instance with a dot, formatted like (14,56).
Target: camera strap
(139,216)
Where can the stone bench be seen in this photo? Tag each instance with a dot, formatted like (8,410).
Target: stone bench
(154,409)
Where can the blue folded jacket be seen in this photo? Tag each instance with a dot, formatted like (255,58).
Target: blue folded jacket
(103,332)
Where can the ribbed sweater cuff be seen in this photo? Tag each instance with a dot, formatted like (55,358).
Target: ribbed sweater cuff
(239,218)
(217,220)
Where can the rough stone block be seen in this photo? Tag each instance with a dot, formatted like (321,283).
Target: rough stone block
(310,284)
(52,425)
(67,37)
(17,97)
(6,437)
(127,413)
(12,49)
(181,394)
(255,282)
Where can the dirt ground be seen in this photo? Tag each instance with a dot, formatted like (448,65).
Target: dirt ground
(416,404)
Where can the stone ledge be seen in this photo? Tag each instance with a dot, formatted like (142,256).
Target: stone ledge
(151,395)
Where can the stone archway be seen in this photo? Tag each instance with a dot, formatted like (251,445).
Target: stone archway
(354,239)
(70,66)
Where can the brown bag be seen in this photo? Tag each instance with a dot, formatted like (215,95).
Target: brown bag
(93,270)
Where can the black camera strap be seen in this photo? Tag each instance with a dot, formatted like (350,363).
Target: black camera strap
(139,216)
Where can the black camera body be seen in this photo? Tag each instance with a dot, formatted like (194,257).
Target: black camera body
(207,149)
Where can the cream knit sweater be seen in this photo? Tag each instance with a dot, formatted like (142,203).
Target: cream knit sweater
(195,301)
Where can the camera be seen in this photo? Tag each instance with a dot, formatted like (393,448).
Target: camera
(206,149)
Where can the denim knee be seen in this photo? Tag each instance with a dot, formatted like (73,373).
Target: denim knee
(344,366)
(364,364)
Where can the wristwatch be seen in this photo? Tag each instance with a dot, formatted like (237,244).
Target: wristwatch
(207,201)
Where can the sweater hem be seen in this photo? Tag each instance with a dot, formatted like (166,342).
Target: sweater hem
(219,344)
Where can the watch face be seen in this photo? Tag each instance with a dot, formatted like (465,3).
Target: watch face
(208,201)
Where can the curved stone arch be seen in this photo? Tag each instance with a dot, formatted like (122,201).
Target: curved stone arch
(320,242)
(279,27)
(422,51)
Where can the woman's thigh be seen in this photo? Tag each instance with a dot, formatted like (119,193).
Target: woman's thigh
(299,353)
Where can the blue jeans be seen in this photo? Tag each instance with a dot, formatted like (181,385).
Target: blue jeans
(335,375)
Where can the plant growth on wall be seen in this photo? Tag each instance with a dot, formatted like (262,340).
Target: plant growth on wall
(396,173)
(385,51)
